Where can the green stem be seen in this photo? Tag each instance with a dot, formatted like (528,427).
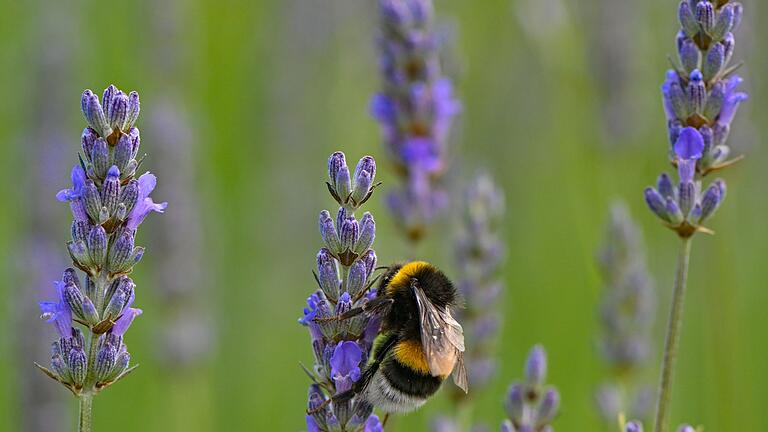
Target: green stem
(673,337)
(86,413)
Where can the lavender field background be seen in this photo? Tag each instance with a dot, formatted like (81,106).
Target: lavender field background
(242,102)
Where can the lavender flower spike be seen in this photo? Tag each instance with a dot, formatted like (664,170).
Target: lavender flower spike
(686,207)
(344,267)
(92,314)
(415,110)
(479,250)
(531,405)
(702,91)
(626,317)
(700,100)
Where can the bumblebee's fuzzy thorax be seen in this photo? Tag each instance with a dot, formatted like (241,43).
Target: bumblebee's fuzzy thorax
(438,288)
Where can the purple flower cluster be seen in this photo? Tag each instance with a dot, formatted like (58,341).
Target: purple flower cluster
(702,92)
(108,204)
(531,406)
(415,110)
(636,426)
(626,316)
(344,268)
(685,207)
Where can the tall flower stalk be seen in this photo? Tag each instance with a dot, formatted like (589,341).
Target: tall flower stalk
(91,314)
(344,268)
(479,253)
(531,405)
(626,317)
(415,108)
(700,101)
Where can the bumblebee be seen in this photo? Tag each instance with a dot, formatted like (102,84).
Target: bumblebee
(419,344)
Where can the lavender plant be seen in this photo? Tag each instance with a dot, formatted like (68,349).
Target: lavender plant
(636,426)
(700,100)
(92,314)
(415,109)
(626,318)
(531,406)
(479,254)
(344,268)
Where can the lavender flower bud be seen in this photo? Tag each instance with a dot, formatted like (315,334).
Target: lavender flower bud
(367,234)
(724,23)
(369,258)
(674,213)
(106,358)
(356,278)
(515,402)
(70,277)
(687,197)
(129,195)
(121,364)
(715,101)
(107,96)
(688,19)
(536,367)
(690,56)
(115,306)
(78,251)
(77,363)
(656,203)
(729,44)
(365,173)
(87,140)
(328,274)
(634,426)
(679,101)
(100,158)
(665,186)
(123,152)
(97,245)
(349,233)
(110,192)
(343,184)
(118,111)
(121,253)
(686,428)
(697,92)
(93,113)
(328,232)
(134,107)
(714,62)
(705,15)
(711,200)
(548,408)
(92,199)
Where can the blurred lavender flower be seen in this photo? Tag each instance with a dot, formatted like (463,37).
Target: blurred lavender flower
(108,205)
(179,270)
(702,91)
(531,406)
(685,207)
(344,268)
(626,316)
(415,110)
(636,426)
(479,254)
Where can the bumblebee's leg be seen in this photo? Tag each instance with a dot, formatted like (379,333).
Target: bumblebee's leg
(384,422)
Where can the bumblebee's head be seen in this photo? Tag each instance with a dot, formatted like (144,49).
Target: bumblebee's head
(438,288)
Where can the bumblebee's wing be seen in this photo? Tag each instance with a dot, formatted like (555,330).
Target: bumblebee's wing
(460,373)
(442,339)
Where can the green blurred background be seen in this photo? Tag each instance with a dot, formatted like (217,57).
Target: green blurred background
(241,104)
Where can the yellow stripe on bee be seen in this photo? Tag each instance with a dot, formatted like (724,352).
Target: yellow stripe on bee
(403,277)
(411,354)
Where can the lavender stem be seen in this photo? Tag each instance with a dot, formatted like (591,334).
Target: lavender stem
(86,413)
(672,336)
